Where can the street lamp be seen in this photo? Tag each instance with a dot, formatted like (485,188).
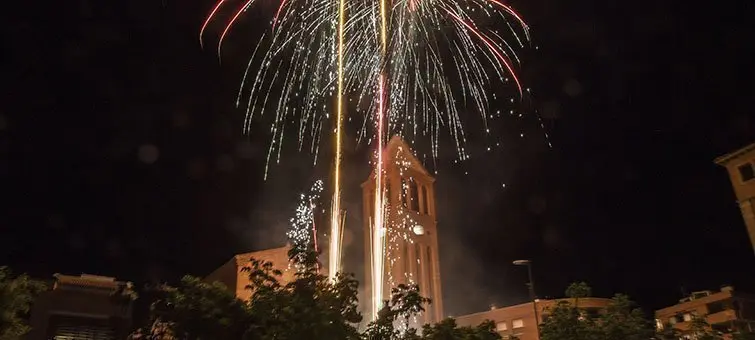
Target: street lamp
(533,297)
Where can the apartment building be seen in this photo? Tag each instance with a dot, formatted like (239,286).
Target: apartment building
(725,311)
(519,320)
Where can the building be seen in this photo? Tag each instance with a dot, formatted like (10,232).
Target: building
(411,228)
(519,320)
(83,307)
(725,311)
(741,167)
(231,274)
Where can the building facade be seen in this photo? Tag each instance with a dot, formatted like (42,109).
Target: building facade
(519,320)
(231,275)
(411,250)
(83,307)
(725,311)
(740,165)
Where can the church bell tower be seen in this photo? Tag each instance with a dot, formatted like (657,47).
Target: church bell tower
(411,241)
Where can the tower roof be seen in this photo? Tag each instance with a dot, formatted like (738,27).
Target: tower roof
(397,146)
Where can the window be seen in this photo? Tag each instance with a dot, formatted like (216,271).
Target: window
(517,323)
(413,195)
(592,313)
(407,258)
(715,307)
(747,310)
(673,320)
(721,328)
(420,265)
(658,325)
(501,326)
(425,204)
(688,317)
(404,189)
(746,172)
(430,273)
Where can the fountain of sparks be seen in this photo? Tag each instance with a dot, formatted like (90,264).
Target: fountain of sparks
(303,230)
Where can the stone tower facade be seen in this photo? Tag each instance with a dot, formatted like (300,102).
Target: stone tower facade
(412,254)
(741,167)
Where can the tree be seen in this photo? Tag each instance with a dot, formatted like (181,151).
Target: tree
(668,332)
(700,329)
(578,290)
(196,310)
(406,303)
(16,297)
(312,306)
(619,321)
(743,335)
(622,321)
(448,330)
(566,322)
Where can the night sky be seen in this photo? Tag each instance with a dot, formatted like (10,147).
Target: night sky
(122,153)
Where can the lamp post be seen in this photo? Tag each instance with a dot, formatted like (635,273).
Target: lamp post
(533,297)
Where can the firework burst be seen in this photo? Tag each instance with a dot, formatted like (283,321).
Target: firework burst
(303,231)
(406,67)
(436,59)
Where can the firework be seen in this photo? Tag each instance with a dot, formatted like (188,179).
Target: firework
(336,224)
(436,58)
(303,231)
(407,67)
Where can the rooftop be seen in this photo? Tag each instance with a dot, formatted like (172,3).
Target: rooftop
(732,155)
(87,280)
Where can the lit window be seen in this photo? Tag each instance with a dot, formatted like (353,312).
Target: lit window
(687,317)
(518,323)
(746,172)
(501,326)
(658,325)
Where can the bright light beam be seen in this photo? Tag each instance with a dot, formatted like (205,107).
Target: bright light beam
(334,262)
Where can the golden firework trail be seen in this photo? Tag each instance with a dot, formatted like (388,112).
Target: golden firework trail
(336,227)
(378,229)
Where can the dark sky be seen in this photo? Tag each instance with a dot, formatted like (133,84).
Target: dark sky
(637,98)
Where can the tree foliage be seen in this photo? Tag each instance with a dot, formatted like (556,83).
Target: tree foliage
(448,330)
(16,297)
(395,319)
(668,332)
(743,335)
(620,320)
(700,329)
(310,307)
(196,310)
